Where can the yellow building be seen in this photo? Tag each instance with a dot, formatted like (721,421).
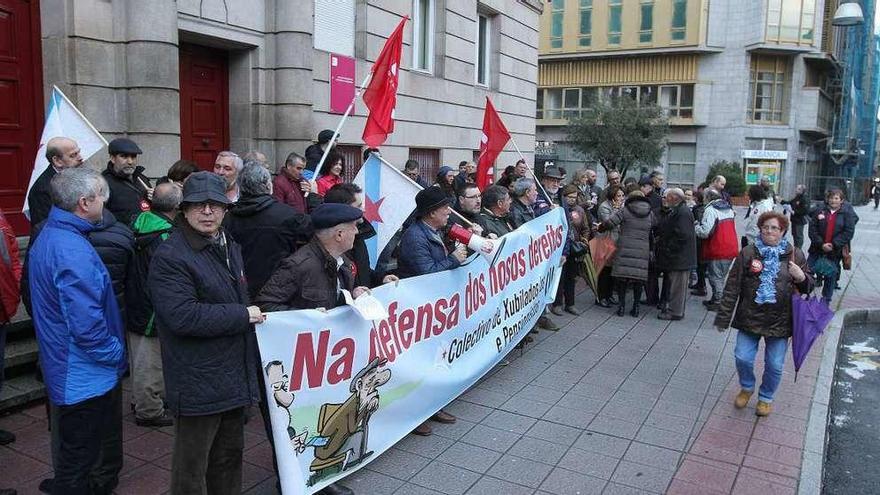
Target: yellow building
(738,79)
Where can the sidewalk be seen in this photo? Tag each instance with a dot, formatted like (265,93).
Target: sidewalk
(606,405)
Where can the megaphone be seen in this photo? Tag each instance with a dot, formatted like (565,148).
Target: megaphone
(488,248)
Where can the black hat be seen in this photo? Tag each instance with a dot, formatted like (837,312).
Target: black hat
(325,136)
(554,173)
(329,215)
(205,186)
(429,199)
(645,181)
(123,146)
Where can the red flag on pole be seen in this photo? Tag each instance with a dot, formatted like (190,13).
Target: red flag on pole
(381,94)
(493,140)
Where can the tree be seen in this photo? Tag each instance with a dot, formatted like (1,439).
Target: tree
(732,171)
(619,134)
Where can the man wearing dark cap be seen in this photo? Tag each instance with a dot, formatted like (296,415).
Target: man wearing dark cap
(209,355)
(130,190)
(422,251)
(316,151)
(321,263)
(551,181)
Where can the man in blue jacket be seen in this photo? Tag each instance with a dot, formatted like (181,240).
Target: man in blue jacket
(80,335)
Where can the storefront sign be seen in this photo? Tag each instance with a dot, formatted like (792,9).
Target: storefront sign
(341,82)
(764,155)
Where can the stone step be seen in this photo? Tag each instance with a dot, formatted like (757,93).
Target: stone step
(19,391)
(20,353)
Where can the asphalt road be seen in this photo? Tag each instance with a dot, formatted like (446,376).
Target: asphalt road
(851,461)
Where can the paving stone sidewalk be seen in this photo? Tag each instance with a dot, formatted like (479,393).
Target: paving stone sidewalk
(606,405)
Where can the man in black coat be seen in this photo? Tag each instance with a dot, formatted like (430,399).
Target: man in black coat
(209,354)
(61,152)
(315,151)
(266,229)
(130,189)
(800,211)
(676,251)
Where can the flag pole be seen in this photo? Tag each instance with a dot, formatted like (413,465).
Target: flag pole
(546,195)
(459,215)
(345,115)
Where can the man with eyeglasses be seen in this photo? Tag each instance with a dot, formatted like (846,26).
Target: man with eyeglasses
(469,202)
(209,354)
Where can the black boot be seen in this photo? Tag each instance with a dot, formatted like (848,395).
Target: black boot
(621,298)
(637,295)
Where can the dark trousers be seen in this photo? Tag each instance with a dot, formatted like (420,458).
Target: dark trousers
(605,282)
(2,352)
(208,454)
(89,455)
(652,286)
(701,275)
(797,234)
(625,283)
(565,292)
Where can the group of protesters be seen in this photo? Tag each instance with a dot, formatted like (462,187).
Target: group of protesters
(167,281)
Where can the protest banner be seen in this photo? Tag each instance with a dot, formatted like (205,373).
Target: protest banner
(341,389)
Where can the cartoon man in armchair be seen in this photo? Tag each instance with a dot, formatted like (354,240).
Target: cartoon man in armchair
(346,426)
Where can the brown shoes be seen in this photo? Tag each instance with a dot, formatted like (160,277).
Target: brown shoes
(742,399)
(444,417)
(423,430)
(763,409)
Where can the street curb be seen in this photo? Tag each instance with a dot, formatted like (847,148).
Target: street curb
(812,463)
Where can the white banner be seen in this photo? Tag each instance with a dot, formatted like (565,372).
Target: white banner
(343,389)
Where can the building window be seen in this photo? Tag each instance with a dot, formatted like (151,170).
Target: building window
(678,100)
(429,161)
(483,50)
(569,103)
(423,35)
(679,20)
(334,26)
(680,165)
(646,28)
(586,31)
(767,80)
(615,21)
(791,21)
(556,17)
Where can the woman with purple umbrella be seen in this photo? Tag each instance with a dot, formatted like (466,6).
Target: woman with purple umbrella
(760,285)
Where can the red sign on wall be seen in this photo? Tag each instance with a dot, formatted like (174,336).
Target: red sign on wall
(341,82)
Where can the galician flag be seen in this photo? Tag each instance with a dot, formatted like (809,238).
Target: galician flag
(63,120)
(389,198)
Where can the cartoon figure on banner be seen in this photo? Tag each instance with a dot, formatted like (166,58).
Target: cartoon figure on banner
(279,380)
(345,426)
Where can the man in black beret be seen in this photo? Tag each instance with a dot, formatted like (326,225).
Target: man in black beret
(322,262)
(323,265)
(130,190)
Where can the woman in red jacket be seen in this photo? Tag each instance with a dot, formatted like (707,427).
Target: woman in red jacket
(330,173)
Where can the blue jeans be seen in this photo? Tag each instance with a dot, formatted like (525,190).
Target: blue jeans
(774,360)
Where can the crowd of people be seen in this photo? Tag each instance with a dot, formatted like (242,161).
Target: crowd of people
(167,281)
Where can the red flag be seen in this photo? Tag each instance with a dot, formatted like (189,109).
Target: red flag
(381,94)
(493,140)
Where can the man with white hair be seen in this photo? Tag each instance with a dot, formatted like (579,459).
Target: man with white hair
(82,346)
(228,165)
(676,251)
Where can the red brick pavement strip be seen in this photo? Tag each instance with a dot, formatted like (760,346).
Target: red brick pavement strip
(146,468)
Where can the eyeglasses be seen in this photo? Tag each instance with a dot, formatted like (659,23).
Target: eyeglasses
(771,228)
(471,197)
(212,207)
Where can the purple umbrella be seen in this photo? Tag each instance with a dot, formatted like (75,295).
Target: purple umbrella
(809,317)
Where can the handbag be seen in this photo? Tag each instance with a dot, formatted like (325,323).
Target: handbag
(577,249)
(847,258)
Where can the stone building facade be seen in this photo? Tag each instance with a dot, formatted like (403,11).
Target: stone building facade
(187,78)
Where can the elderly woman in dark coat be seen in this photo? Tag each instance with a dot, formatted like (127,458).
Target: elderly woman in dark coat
(633,248)
(831,229)
(759,286)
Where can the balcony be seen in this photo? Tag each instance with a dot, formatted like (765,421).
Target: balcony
(815,112)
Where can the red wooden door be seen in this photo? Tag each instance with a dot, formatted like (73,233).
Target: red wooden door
(204,104)
(21,104)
